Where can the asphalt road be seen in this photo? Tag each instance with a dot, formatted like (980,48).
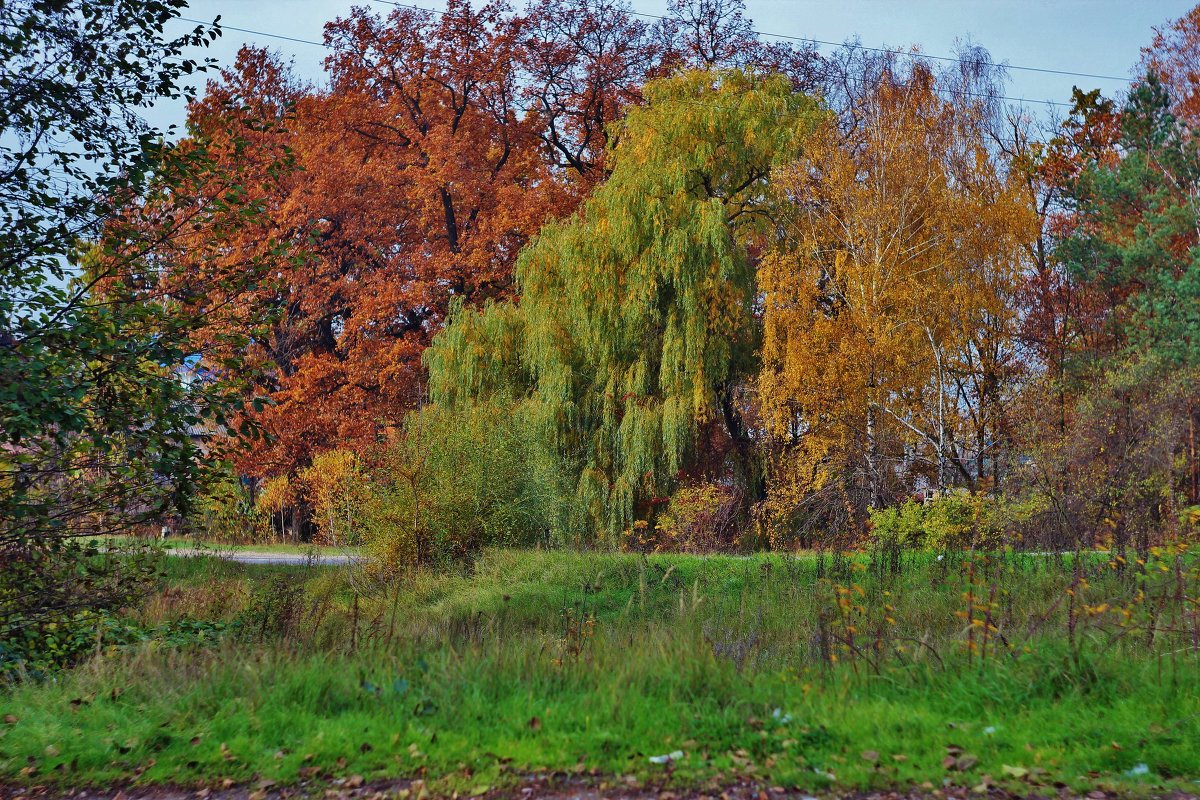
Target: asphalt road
(320,559)
(262,557)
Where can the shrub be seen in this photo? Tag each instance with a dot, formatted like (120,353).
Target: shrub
(698,518)
(956,520)
(275,608)
(84,581)
(39,653)
(460,479)
(336,488)
(276,501)
(225,512)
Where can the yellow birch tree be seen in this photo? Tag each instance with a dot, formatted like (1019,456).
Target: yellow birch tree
(885,305)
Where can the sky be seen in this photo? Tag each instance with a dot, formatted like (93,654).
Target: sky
(1099,37)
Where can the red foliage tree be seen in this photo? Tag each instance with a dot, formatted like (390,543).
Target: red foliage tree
(1175,56)
(442,144)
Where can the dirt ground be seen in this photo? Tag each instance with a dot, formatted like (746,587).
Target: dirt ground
(546,788)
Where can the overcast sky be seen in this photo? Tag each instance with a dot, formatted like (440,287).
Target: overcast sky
(1101,37)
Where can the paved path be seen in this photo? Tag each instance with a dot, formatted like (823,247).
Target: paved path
(266,557)
(341,559)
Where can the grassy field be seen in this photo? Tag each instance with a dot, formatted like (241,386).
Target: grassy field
(860,672)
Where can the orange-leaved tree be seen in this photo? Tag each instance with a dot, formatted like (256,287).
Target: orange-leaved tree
(887,307)
(418,179)
(442,143)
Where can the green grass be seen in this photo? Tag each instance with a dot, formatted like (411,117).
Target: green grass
(535,661)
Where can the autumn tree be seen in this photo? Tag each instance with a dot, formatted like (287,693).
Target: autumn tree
(1135,228)
(418,179)
(1130,233)
(1174,57)
(441,145)
(585,62)
(635,325)
(887,305)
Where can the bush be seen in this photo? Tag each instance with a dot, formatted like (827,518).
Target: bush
(337,489)
(277,500)
(227,513)
(459,479)
(954,521)
(54,593)
(37,653)
(90,585)
(698,518)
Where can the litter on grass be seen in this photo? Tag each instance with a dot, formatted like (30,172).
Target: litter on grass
(668,758)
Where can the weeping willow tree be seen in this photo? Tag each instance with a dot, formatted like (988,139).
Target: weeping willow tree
(635,327)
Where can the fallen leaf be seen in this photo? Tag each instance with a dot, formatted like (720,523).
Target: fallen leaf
(870,756)
(1014,772)
(535,723)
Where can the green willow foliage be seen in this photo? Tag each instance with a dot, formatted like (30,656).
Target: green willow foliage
(635,316)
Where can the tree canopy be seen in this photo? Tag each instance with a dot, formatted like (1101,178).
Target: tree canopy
(634,324)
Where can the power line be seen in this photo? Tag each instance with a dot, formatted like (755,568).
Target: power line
(661,18)
(894,52)
(858,47)
(758,33)
(954,92)
(223,26)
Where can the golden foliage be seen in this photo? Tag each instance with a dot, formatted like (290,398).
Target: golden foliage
(886,307)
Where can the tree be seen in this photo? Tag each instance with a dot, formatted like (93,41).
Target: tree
(1134,229)
(1130,234)
(100,431)
(634,330)
(418,180)
(442,145)
(886,307)
(1174,57)
(586,62)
